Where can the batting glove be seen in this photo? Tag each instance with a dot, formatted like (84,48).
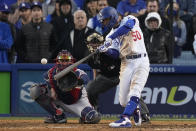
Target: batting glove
(102,48)
(108,42)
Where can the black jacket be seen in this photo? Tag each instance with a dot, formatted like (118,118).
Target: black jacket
(36,42)
(77,47)
(62,25)
(159,45)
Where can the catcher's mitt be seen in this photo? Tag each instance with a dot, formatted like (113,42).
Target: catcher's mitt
(68,82)
(93,41)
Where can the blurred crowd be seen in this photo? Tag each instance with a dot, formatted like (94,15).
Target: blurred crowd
(34,29)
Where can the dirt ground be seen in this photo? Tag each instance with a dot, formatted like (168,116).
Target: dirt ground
(72,125)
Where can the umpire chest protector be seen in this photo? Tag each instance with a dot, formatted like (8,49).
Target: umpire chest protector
(107,65)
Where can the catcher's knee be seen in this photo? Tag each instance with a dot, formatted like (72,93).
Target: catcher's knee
(90,116)
(37,90)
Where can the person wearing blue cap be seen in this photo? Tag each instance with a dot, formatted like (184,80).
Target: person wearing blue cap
(24,14)
(36,4)
(4,9)
(6,39)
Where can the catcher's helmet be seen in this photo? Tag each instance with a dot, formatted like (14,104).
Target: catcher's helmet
(108,13)
(64,59)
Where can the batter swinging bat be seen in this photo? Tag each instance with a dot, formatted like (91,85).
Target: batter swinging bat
(69,68)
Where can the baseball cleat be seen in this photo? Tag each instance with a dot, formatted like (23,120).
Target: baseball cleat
(137,117)
(124,122)
(146,118)
(56,119)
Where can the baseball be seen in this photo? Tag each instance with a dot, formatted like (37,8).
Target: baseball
(44,61)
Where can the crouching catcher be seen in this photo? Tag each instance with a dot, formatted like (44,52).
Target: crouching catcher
(68,94)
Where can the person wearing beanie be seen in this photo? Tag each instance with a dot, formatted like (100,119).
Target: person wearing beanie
(25,15)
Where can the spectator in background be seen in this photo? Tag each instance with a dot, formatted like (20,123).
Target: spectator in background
(162,6)
(94,23)
(74,42)
(25,18)
(186,12)
(63,23)
(49,7)
(37,38)
(24,15)
(132,7)
(179,29)
(186,7)
(158,41)
(14,14)
(55,13)
(90,7)
(4,18)
(153,6)
(6,39)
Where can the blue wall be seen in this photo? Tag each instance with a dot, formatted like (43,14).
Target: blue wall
(170,90)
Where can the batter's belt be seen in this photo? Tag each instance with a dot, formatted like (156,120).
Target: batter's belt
(136,56)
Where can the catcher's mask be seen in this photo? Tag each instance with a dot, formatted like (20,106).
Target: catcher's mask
(94,41)
(64,59)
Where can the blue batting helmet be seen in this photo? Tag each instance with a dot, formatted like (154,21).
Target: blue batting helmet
(108,12)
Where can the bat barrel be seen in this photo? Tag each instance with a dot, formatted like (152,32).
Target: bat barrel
(68,69)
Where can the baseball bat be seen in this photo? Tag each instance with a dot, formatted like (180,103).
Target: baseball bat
(69,68)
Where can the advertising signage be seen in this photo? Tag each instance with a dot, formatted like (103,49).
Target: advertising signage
(163,94)
(170,90)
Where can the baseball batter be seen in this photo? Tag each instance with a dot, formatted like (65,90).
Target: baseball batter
(126,41)
(68,94)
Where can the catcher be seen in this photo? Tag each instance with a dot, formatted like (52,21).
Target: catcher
(67,94)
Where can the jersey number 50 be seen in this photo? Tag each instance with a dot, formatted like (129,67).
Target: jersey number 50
(136,35)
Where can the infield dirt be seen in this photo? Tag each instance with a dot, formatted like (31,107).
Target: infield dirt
(72,125)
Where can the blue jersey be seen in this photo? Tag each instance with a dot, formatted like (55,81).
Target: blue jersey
(127,40)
